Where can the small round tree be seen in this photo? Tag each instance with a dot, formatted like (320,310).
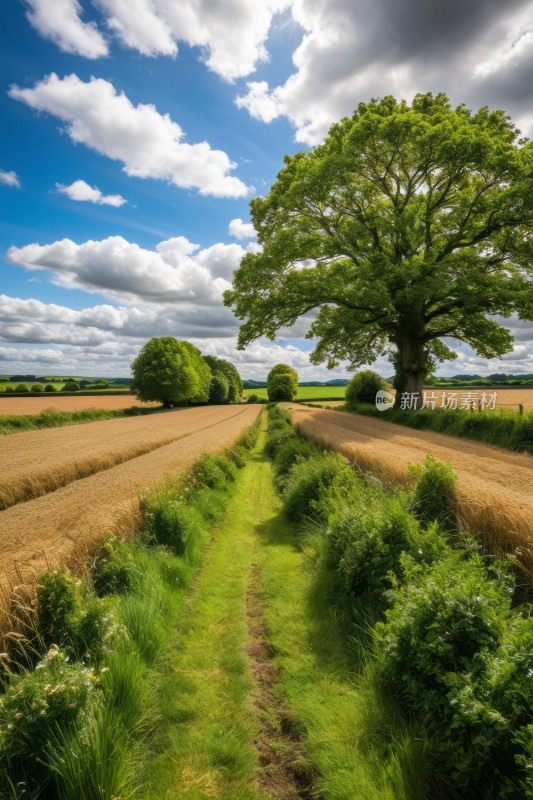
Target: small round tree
(225,369)
(49,388)
(36,387)
(363,388)
(21,388)
(171,372)
(219,392)
(282,383)
(70,386)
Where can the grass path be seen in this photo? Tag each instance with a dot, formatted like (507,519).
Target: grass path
(259,697)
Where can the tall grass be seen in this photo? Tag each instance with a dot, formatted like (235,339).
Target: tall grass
(57,419)
(501,427)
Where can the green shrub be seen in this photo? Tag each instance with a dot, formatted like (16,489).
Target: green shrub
(444,623)
(434,494)
(114,569)
(277,439)
(219,390)
(227,467)
(70,386)
(21,388)
(169,521)
(142,617)
(34,706)
(207,473)
(70,616)
(36,387)
(236,456)
(363,388)
(366,544)
(253,398)
(316,485)
(50,388)
(290,451)
(9,389)
(282,383)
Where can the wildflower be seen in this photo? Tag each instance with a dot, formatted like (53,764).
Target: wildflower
(105,669)
(18,715)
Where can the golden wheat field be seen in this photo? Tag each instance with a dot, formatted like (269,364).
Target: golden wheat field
(41,461)
(60,525)
(495,486)
(506,399)
(18,406)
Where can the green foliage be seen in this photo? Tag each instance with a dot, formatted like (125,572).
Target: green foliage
(142,616)
(291,450)
(49,388)
(209,472)
(282,383)
(169,520)
(219,390)
(434,494)
(406,215)
(363,388)
(444,624)
(314,484)
(172,372)
(114,568)
(34,706)
(70,386)
(253,398)
(21,388)
(225,370)
(57,419)
(367,542)
(36,387)
(69,615)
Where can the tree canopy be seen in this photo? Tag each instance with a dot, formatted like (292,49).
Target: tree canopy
(220,368)
(409,226)
(282,383)
(172,372)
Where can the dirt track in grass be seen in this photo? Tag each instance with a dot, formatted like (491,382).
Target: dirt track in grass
(52,529)
(495,486)
(38,462)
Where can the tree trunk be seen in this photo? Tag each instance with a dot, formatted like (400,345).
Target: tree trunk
(411,360)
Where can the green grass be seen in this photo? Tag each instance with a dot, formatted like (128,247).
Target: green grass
(308,392)
(58,419)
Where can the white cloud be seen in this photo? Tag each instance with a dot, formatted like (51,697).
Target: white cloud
(352,50)
(59,21)
(241,230)
(149,144)
(9,178)
(80,190)
(176,271)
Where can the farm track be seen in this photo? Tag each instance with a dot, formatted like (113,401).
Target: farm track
(62,525)
(45,460)
(495,486)
(20,406)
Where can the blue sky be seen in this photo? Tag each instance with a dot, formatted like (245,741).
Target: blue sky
(131,141)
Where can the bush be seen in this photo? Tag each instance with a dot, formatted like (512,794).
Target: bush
(114,568)
(253,398)
(36,387)
(363,388)
(277,439)
(50,388)
(70,386)
(236,456)
(443,626)
(317,485)
(434,494)
(366,545)
(290,451)
(70,616)
(21,388)
(9,389)
(172,372)
(282,383)
(208,473)
(169,521)
(34,706)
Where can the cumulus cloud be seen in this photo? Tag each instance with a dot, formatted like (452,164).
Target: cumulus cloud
(480,52)
(241,230)
(81,191)
(59,21)
(149,144)
(176,271)
(9,178)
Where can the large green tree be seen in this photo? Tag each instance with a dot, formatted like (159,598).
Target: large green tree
(221,368)
(172,372)
(408,225)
